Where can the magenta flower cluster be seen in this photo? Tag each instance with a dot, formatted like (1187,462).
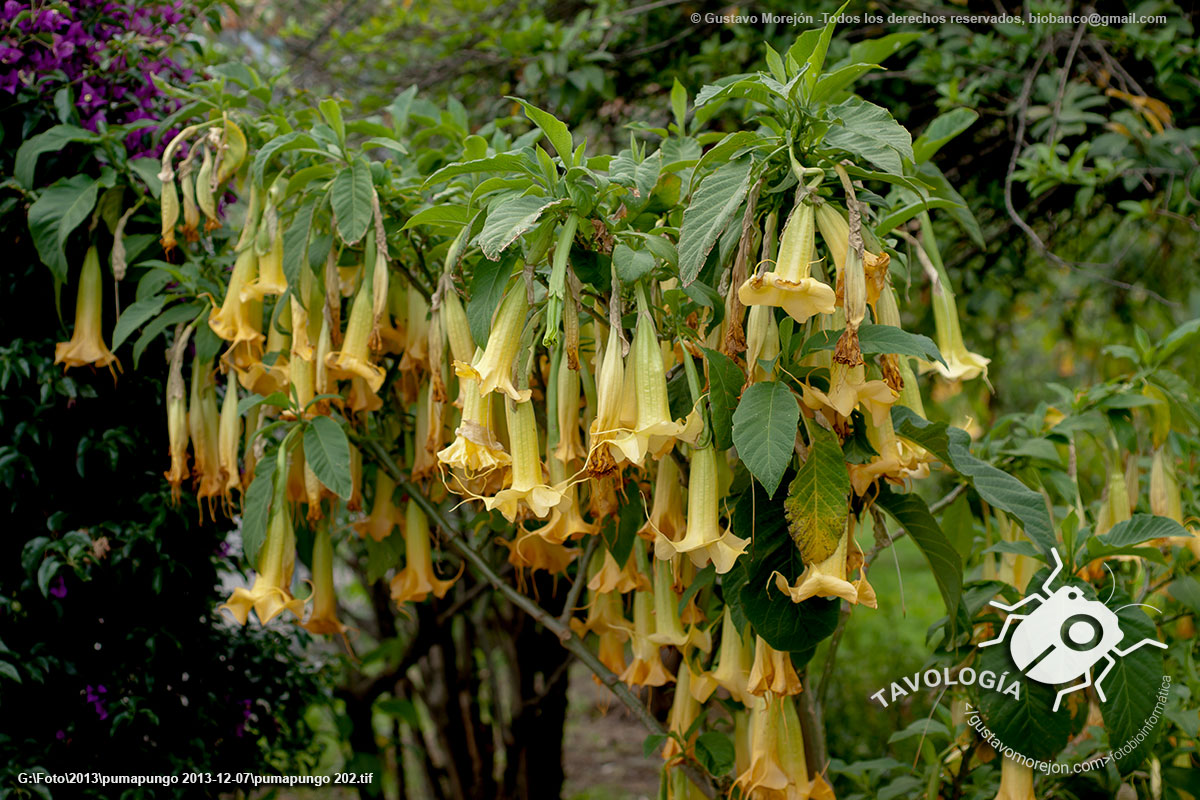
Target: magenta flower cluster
(106,53)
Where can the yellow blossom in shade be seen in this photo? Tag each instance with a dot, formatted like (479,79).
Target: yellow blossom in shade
(528,487)
(609,441)
(416,333)
(566,520)
(393,322)
(529,551)
(666,515)
(229,435)
(177,416)
(270,279)
(614,578)
(684,711)
(835,232)
(762,343)
(204,429)
(790,286)
(493,370)
(654,430)
(605,612)
(895,462)
(271,593)
(384,514)
(849,387)
(704,542)
(324,618)
(417,580)
(354,360)
(647,668)
(428,434)
(234,321)
(829,578)
(86,345)
(362,398)
(765,776)
(254,372)
(668,628)
(961,364)
(772,671)
(734,660)
(570,442)
(475,448)
(1016,781)
(1165,499)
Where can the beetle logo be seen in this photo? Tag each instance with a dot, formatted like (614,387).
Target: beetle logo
(1065,636)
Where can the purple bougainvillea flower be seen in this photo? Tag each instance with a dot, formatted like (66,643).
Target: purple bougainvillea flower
(9,55)
(90,97)
(11,9)
(61,46)
(59,588)
(96,698)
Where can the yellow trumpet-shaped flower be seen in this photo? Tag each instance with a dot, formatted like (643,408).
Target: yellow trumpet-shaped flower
(1165,499)
(530,551)
(204,428)
(458,328)
(427,440)
(493,370)
(654,430)
(384,514)
(762,343)
(609,441)
(417,580)
(234,321)
(894,462)
(528,487)
(566,520)
(961,364)
(393,323)
(416,333)
(835,232)
(666,515)
(475,449)
(791,286)
(229,435)
(270,279)
(570,442)
(259,372)
(685,708)
(614,578)
(1016,781)
(604,610)
(734,660)
(324,618)
(704,541)
(848,387)
(668,627)
(86,345)
(772,671)
(828,578)
(354,360)
(177,416)
(647,668)
(777,767)
(271,593)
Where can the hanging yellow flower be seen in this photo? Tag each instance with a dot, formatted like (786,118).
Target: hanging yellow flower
(528,488)
(647,668)
(354,360)
(417,580)
(475,449)
(666,514)
(493,370)
(772,672)
(324,618)
(704,542)
(271,593)
(961,364)
(791,286)
(384,514)
(1016,781)
(86,345)
(234,321)
(828,578)
(734,660)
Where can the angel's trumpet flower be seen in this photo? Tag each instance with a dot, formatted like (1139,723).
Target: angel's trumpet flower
(86,345)
(892,462)
(354,360)
(668,628)
(1016,781)
(229,435)
(614,578)
(258,372)
(566,520)
(765,777)
(849,387)
(271,593)
(384,514)
(762,343)
(427,439)
(570,443)
(324,618)
(493,370)
(734,660)
(685,708)
(604,610)
(234,321)
(791,286)
(393,324)
(704,542)
(417,580)
(647,668)
(528,487)
(961,364)
(270,278)
(772,672)
(828,578)
(835,232)
(416,334)
(458,329)
(655,431)
(1165,499)
(530,551)
(608,441)
(476,449)
(1116,498)
(177,416)
(204,427)
(666,515)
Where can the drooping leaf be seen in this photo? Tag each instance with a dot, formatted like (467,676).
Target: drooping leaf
(508,218)
(280,144)
(1027,723)
(58,211)
(487,288)
(501,162)
(1142,528)
(940,131)
(714,751)
(712,207)
(725,381)
(257,509)
(295,245)
(944,561)
(1132,688)
(764,431)
(874,339)
(631,265)
(52,140)
(327,453)
(816,500)
(443,215)
(869,131)
(135,316)
(620,532)
(350,198)
(554,128)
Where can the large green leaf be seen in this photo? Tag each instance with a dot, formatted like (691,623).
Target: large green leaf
(631,265)
(52,140)
(795,628)
(508,218)
(1142,528)
(953,447)
(869,131)
(877,339)
(1132,689)
(295,244)
(941,131)
(487,287)
(875,51)
(906,212)
(725,381)
(554,128)
(135,316)
(280,144)
(350,198)
(327,453)
(714,203)
(58,211)
(764,431)
(620,532)
(816,500)
(501,162)
(443,215)
(944,561)
(1026,724)
(257,508)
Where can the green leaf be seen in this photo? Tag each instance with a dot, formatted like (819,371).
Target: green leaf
(725,381)
(713,205)
(135,316)
(383,555)
(508,218)
(295,245)
(280,144)
(442,215)
(703,578)
(1142,528)
(58,211)
(1132,690)
(257,508)
(554,128)
(816,500)
(9,671)
(1026,724)
(953,447)
(487,288)
(350,197)
(875,51)
(54,139)
(830,84)
(175,314)
(1176,339)
(960,212)
(714,751)
(501,162)
(940,131)
(944,561)
(795,628)
(679,104)
(277,399)
(332,113)
(631,264)
(1187,591)
(866,130)
(877,339)
(652,742)
(327,453)
(620,533)
(903,214)
(46,572)
(764,431)
(386,143)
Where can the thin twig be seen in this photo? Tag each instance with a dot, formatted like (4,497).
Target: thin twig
(933,509)
(1062,81)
